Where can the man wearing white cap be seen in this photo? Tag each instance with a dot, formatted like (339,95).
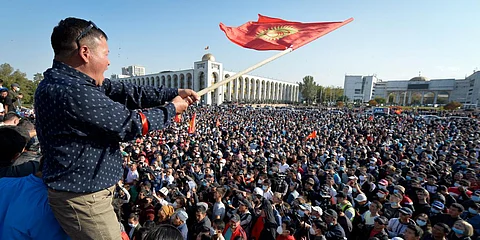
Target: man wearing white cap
(179,220)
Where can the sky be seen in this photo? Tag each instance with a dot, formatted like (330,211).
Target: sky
(395,40)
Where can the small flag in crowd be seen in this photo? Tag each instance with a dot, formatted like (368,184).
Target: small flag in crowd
(177,118)
(370,118)
(277,34)
(312,135)
(191,125)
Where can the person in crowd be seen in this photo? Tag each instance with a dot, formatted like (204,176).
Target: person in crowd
(6,100)
(24,209)
(16,96)
(179,219)
(13,141)
(334,230)
(413,233)
(80,143)
(397,226)
(233,229)
(461,230)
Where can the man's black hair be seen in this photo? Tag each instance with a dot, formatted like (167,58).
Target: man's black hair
(166,232)
(10,116)
(65,34)
(12,142)
(416,229)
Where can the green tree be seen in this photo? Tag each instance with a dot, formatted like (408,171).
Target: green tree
(308,88)
(380,100)
(373,102)
(9,76)
(452,106)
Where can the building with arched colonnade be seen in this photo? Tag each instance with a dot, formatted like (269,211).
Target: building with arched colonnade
(245,89)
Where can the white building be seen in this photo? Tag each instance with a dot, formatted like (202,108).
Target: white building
(416,91)
(133,71)
(208,71)
(359,88)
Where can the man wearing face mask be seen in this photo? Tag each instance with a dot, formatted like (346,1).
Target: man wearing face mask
(16,96)
(133,225)
(334,231)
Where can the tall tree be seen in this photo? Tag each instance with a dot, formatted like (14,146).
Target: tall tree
(308,88)
(9,76)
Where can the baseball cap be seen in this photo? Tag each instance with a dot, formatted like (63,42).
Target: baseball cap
(331,213)
(258,191)
(361,198)
(235,218)
(15,85)
(438,205)
(381,220)
(318,210)
(182,215)
(383,182)
(406,211)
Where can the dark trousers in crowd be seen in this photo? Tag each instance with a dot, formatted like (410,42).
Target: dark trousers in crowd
(86,216)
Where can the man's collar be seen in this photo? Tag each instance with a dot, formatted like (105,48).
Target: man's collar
(65,67)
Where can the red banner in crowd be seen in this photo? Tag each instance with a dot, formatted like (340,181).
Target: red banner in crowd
(191,125)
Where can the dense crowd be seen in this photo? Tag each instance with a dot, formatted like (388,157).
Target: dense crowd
(261,174)
(269,173)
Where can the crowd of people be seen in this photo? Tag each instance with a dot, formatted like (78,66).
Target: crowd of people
(101,159)
(260,174)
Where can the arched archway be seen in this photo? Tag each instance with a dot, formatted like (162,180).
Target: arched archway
(443,97)
(247,89)
(163,80)
(175,80)
(227,92)
(241,89)
(182,80)
(189,81)
(169,81)
(215,95)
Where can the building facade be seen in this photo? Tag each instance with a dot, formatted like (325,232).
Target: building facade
(416,91)
(247,88)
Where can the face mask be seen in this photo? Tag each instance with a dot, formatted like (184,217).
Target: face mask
(362,178)
(279,230)
(264,188)
(476,198)
(457,231)
(137,151)
(301,213)
(371,167)
(167,166)
(380,195)
(311,231)
(174,205)
(472,211)
(342,169)
(382,187)
(260,181)
(420,179)
(433,210)
(354,190)
(393,204)
(408,178)
(421,223)
(132,225)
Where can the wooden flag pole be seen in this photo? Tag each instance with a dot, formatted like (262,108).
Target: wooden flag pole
(221,83)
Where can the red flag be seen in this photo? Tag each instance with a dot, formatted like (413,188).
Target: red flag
(312,135)
(191,125)
(277,34)
(177,118)
(218,123)
(370,118)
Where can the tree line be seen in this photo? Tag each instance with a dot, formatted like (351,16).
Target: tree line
(312,93)
(9,75)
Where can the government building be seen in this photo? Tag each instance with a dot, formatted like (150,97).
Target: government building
(418,91)
(245,89)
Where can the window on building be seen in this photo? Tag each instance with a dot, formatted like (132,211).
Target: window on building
(358,91)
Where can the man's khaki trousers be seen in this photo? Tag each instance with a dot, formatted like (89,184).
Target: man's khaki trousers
(86,216)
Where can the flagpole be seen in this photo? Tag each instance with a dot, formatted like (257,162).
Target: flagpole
(221,83)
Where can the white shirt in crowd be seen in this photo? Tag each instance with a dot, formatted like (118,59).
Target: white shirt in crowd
(283,168)
(132,175)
